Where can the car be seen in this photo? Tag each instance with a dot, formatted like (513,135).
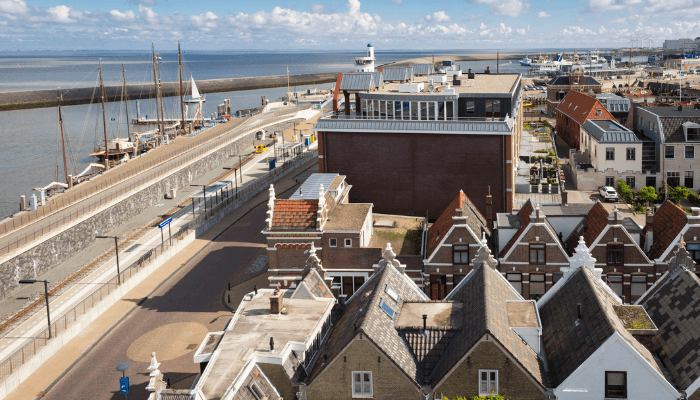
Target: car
(608,194)
(260,149)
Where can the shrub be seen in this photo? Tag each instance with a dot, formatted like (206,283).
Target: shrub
(638,208)
(546,123)
(625,191)
(552,153)
(647,195)
(678,193)
(694,198)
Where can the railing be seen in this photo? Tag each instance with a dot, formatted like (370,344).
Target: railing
(157,166)
(385,117)
(215,203)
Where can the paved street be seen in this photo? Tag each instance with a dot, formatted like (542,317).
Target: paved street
(185,300)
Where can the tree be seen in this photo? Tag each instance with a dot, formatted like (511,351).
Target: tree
(678,193)
(625,191)
(648,195)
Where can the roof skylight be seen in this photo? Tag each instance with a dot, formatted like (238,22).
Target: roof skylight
(392,293)
(388,310)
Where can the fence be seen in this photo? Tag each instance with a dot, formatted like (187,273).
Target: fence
(158,167)
(221,199)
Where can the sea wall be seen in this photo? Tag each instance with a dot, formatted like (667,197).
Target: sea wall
(51,252)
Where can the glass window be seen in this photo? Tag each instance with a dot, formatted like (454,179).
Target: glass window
(536,285)
(599,112)
(693,135)
(488,382)
(392,293)
(616,384)
(630,181)
(638,287)
(615,282)
(556,278)
(348,242)
(493,108)
(516,281)
(610,181)
(610,153)
(460,253)
(689,151)
(456,279)
(616,254)
(688,175)
(362,384)
(694,250)
(471,109)
(670,152)
(387,309)
(673,178)
(537,253)
(630,153)
(333,242)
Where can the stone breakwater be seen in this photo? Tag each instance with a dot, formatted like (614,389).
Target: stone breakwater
(51,252)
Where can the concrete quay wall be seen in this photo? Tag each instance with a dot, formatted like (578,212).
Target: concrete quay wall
(50,252)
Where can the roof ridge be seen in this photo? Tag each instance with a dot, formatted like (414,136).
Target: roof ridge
(593,281)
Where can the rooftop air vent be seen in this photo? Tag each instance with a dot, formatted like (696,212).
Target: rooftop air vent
(470,74)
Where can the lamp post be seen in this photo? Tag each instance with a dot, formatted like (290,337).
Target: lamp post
(46,292)
(116,251)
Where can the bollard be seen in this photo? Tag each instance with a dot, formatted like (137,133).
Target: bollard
(22,203)
(229,299)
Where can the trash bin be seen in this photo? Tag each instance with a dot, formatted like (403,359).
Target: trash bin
(272,164)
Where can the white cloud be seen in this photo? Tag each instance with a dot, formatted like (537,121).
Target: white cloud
(13,7)
(63,14)
(399,2)
(601,6)
(499,32)
(439,17)
(507,8)
(126,16)
(148,14)
(543,14)
(205,22)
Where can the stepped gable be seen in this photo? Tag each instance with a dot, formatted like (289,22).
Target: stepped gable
(669,221)
(294,215)
(525,211)
(475,220)
(590,228)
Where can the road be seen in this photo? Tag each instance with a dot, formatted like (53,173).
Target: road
(176,316)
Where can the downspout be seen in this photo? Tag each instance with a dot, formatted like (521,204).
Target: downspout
(505,190)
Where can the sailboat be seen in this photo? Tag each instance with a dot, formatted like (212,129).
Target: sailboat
(195,98)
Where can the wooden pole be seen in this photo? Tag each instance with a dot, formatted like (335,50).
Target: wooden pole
(182,100)
(104,117)
(63,143)
(155,85)
(126,102)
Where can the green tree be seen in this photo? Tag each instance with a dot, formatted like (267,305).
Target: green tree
(625,191)
(678,193)
(648,195)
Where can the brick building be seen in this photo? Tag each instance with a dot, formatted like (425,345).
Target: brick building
(573,111)
(665,229)
(410,146)
(560,86)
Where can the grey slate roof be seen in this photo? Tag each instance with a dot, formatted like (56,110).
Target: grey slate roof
(609,131)
(355,125)
(423,69)
(312,284)
(428,347)
(672,121)
(397,74)
(614,103)
(357,82)
(564,81)
(376,78)
(674,306)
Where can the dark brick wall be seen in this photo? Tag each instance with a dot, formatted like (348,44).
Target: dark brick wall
(409,173)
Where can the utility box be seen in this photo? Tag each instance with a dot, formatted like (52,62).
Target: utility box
(171,194)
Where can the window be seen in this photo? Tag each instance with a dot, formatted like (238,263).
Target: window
(460,253)
(630,181)
(348,284)
(362,384)
(688,179)
(257,393)
(493,108)
(516,281)
(488,382)
(348,242)
(387,309)
(392,293)
(609,153)
(673,178)
(651,181)
(615,282)
(693,135)
(333,242)
(610,181)
(537,253)
(638,287)
(536,285)
(615,254)
(694,250)
(556,277)
(690,152)
(630,153)
(471,110)
(599,112)
(616,384)
(670,152)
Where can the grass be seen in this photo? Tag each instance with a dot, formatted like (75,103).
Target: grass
(633,317)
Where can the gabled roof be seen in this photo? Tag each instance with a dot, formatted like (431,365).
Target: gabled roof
(397,74)
(674,306)
(672,121)
(564,81)
(485,294)
(475,221)
(578,105)
(294,215)
(569,341)
(357,82)
(423,69)
(669,221)
(524,214)
(312,287)
(377,79)
(590,228)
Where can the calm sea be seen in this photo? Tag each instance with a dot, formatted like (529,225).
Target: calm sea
(30,152)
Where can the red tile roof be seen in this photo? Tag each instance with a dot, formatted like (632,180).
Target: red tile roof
(475,220)
(581,107)
(525,211)
(669,220)
(590,228)
(294,215)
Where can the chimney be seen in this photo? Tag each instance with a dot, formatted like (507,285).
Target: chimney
(470,74)
(680,107)
(564,197)
(277,301)
(647,337)
(272,344)
(489,208)
(425,322)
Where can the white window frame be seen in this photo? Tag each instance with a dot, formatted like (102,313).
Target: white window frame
(360,374)
(333,242)
(488,375)
(348,242)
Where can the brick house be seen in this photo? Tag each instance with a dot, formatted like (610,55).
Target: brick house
(591,352)
(560,87)
(665,229)
(451,245)
(573,111)
(625,266)
(532,258)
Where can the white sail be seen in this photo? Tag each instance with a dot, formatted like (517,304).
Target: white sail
(195,92)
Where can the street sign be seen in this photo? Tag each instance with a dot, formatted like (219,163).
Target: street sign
(165,222)
(124,385)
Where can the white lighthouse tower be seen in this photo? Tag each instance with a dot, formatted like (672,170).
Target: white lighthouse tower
(366,64)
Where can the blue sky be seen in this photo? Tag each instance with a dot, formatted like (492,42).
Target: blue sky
(342,25)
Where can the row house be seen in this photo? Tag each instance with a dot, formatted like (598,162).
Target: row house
(666,228)
(575,81)
(572,113)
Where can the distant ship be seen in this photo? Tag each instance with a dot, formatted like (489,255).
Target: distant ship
(526,62)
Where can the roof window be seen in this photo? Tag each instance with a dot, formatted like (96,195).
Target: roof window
(387,309)
(392,293)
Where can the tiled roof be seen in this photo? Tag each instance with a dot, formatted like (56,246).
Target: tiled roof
(314,284)
(476,222)
(568,341)
(669,220)
(363,314)
(524,214)
(578,105)
(564,81)
(673,126)
(591,226)
(294,215)
(485,294)
(674,306)
(428,347)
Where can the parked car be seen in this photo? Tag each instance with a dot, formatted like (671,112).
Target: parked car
(608,194)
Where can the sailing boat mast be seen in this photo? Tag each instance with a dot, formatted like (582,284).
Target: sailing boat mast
(162,113)
(182,101)
(63,143)
(104,117)
(155,85)
(125,96)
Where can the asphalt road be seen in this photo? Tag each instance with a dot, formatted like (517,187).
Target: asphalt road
(177,315)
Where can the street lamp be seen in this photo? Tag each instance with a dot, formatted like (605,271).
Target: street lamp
(46,292)
(116,251)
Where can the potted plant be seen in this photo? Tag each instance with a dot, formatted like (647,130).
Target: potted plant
(534,187)
(555,187)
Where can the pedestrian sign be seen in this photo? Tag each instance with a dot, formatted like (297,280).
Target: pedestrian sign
(124,385)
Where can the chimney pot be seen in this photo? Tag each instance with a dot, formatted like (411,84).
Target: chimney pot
(272,344)
(255,288)
(425,322)
(680,107)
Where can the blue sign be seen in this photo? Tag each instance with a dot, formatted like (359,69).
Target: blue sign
(113,119)
(165,222)
(124,386)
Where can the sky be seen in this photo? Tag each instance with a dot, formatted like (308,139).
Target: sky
(342,25)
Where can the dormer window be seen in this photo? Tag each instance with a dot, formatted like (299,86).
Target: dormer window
(692,131)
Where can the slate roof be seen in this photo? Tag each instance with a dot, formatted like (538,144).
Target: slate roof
(669,221)
(423,69)
(357,82)
(568,344)
(294,215)
(524,214)
(428,347)
(578,105)
(484,293)
(564,81)
(674,306)
(398,74)
(312,284)
(590,227)
(609,131)
(672,121)
(363,310)
(377,79)
(475,220)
